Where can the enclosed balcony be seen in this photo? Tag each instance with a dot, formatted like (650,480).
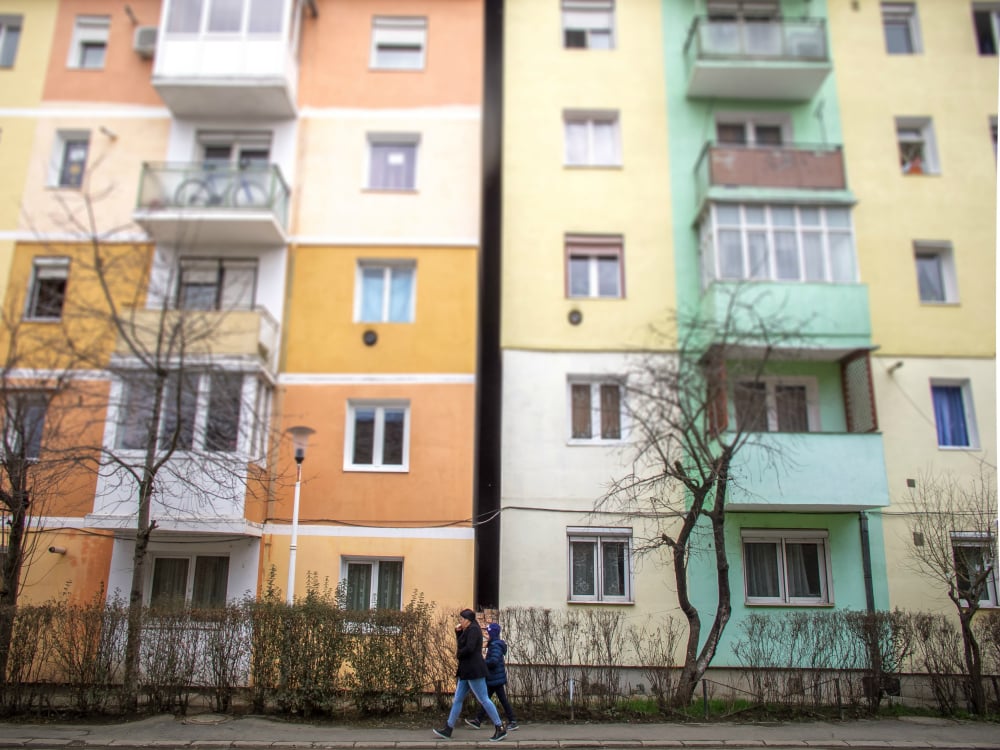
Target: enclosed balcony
(210,204)
(237,60)
(756,58)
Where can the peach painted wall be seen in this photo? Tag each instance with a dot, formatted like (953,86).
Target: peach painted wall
(436,490)
(126,77)
(341,38)
(321,336)
(82,572)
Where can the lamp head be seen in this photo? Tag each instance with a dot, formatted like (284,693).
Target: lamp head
(300,436)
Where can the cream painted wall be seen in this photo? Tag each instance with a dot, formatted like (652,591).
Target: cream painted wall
(543,200)
(953,85)
(112,172)
(906,417)
(333,162)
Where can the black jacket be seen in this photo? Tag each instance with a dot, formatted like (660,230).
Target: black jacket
(471,664)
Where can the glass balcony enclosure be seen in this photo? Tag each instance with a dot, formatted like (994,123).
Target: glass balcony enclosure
(207,203)
(756,58)
(232,58)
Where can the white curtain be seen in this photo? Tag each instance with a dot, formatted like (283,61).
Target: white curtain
(760,560)
(802,562)
(400,294)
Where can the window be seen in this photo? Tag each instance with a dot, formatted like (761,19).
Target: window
(398,43)
(25,422)
(993,135)
(953,415)
(392,162)
(588,24)
(745,27)
(226,16)
(917,147)
(594,266)
(986,22)
(377,437)
(216,284)
(975,567)
(385,292)
(778,243)
(935,272)
(595,411)
(776,405)
(261,421)
(226,148)
(216,396)
(10,36)
(69,158)
(47,294)
(200,581)
(749,132)
(89,42)
(600,564)
(592,139)
(373,583)
(786,567)
(902,33)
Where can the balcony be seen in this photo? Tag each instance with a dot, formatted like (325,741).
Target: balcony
(247,334)
(777,58)
(772,169)
(803,472)
(198,204)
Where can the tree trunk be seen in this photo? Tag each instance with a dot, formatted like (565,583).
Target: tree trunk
(973,663)
(10,583)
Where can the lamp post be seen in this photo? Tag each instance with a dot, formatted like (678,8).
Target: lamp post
(300,436)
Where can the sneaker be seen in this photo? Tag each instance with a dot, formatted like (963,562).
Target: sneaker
(513,726)
(474,723)
(444,732)
(499,734)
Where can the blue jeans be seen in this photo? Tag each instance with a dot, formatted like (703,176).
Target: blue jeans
(478,688)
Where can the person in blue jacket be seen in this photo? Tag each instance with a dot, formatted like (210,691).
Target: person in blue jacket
(496,678)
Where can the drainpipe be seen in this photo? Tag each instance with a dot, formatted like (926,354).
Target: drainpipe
(866,561)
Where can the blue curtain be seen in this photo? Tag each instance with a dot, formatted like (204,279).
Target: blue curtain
(949,413)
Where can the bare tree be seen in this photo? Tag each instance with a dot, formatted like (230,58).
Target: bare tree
(684,447)
(953,543)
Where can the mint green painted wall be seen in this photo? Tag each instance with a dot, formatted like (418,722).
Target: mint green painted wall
(845,561)
(829,391)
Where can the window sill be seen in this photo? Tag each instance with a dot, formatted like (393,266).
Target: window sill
(623,603)
(378,469)
(959,448)
(396,191)
(797,605)
(940,303)
(379,69)
(593,166)
(571,443)
(26,319)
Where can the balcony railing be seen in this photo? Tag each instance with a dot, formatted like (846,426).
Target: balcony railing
(795,167)
(772,58)
(213,203)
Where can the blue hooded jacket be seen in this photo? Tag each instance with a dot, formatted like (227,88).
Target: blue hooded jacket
(496,650)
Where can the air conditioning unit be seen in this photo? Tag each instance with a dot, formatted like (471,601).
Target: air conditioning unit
(144,41)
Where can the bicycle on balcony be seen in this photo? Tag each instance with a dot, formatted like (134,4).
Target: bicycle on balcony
(217,186)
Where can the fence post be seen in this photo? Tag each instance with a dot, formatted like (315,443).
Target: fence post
(840,706)
(704,699)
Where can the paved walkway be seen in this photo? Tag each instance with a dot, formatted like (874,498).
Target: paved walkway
(213,731)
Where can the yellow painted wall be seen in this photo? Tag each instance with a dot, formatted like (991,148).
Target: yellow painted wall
(320,334)
(955,86)
(543,200)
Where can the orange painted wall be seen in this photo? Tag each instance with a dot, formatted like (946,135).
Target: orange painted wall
(81,573)
(341,37)
(436,489)
(126,77)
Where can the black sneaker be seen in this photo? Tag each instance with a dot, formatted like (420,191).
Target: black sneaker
(499,734)
(513,726)
(474,723)
(444,732)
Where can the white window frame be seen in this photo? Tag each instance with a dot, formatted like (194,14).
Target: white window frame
(46,268)
(409,143)
(593,18)
(591,248)
(750,123)
(983,543)
(590,119)
(899,14)
(771,383)
(26,410)
(88,30)
(399,33)
(782,537)
(972,432)
(374,562)
(197,23)
(917,130)
(945,256)
(824,230)
(595,384)
(219,265)
(10,39)
(599,536)
(261,427)
(378,438)
(191,572)
(59,162)
(388,267)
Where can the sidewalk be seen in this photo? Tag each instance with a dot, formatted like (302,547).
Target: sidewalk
(214,731)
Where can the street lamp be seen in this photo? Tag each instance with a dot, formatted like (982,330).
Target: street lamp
(300,436)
